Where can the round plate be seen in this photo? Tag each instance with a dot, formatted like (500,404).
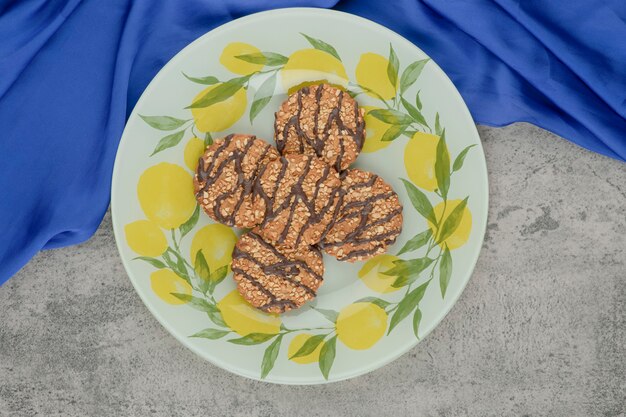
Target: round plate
(420,138)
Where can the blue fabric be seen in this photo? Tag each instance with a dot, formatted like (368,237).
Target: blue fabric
(71,71)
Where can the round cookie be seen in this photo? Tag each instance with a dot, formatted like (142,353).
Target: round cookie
(300,195)
(321,120)
(368,220)
(225,177)
(276,279)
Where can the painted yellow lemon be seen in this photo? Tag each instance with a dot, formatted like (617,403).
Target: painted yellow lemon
(361,325)
(222,115)
(165,193)
(145,238)
(371,72)
(217,243)
(244,319)
(236,65)
(164,282)
(374,131)
(420,155)
(462,232)
(193,151)
(306,65)
(372,273)
(297,343)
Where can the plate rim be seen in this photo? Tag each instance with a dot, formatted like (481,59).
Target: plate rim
(474,254)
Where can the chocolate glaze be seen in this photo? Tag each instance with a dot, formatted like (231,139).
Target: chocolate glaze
(362,210)
(208,175)
(296,196)
(319,139)
(285,269)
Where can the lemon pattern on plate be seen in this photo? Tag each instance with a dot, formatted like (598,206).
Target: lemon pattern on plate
(165,194)
(221,115)
(371,73)
(237,65)
(193,151)
(361,325)
(244,319)
(297,343)
(372,273)
(216,242)
(145,238)
(306,65)
(164,283)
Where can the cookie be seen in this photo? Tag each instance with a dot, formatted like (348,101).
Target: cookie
(300,194)
(276,279)
(225,177)
(368,220)
(321,120)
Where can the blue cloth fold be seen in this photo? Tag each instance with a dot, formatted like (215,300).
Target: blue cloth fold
(72,70)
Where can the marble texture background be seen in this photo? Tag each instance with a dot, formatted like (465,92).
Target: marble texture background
(539,331)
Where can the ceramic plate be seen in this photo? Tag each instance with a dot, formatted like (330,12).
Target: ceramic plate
(420,138)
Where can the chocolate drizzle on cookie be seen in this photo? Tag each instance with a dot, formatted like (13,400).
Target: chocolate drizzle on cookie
(280,269)
(373,232)
(319,140)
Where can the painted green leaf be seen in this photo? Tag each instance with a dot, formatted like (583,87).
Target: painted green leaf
(417,318)
(212,334)
(413,112)
(392,117)
(220,93)
(445,271)
(327,356)
(262,96)
(392,66)
(269,357)
(407,271)
(217,277)
(458,162)
(420,201)
(322,46)
(438,129)
(270,59)
(172,259)
(309,346)
(393,132)
(330,315)
(442,166)
(418,102)
(407,305)
(452,221)
(216,317)
(253,339)
(164,122)
(202,269)
(168,141)
(409,133)
(210,80)
(190,223)
(152,261)
(374,300)
(196,302)
(416,242)
(208,139)
(353,94)
(410,74)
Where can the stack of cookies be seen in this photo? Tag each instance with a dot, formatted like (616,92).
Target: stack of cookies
(298,199)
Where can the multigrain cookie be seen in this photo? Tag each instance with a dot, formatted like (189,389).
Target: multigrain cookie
(225,177)
(321,120)
(276,279)
(299,194)
(369,218)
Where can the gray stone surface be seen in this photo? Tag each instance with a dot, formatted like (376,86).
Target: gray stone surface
(540,329)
